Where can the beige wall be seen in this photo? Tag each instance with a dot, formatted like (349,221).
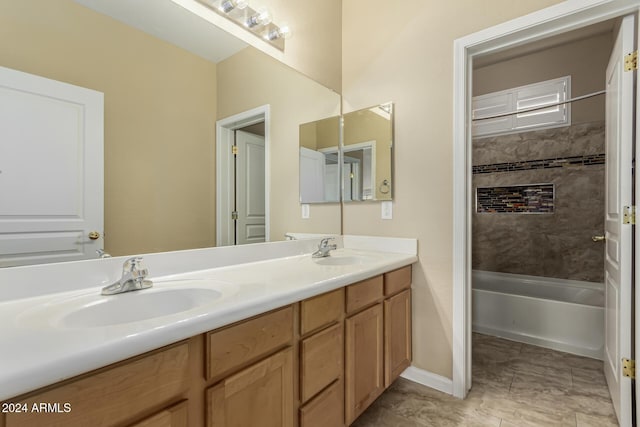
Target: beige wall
(315,46)
(160,114)
(294,99)
(405,55)
(323,133)
(584,60)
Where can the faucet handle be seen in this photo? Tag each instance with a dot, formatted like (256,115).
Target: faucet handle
(135,267)
(325,241)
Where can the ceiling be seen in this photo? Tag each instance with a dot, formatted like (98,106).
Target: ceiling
(547,43)
(172,23)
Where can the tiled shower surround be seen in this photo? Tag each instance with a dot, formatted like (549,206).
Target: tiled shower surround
(555,244)
(533,199)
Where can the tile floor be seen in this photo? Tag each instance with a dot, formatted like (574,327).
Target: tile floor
(514,385)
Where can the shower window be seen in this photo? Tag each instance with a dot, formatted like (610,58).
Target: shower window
(521,98)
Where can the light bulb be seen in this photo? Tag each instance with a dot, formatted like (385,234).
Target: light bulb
(285,32)
(281,33)
(228,5)
(263,17)
(242,4)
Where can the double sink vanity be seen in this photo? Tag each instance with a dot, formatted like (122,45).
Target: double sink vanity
(263,335)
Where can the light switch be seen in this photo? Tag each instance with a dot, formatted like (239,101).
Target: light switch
(305,211)
(387,210)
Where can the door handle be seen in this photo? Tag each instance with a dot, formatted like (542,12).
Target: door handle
(598,238)
(94,235)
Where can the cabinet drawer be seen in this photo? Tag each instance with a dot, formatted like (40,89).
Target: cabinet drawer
(321,358)
(115,395)
(364,293)
(231,348)
(397,280)
(175,416)
(326,410)
(321,311)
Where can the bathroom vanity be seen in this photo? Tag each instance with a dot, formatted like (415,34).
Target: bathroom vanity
(291,341)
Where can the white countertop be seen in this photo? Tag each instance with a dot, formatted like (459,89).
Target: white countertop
(38,349)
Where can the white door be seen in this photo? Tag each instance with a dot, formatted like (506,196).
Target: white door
(312,172)
(51,170)
(619,146)
(332,183)
(250,188)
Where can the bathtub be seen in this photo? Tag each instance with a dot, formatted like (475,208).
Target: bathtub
(565,315)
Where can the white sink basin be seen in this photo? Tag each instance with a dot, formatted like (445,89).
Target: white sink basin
(91,310)
(137,305)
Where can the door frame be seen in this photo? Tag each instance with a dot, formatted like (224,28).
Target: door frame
(560,18)
(224,169)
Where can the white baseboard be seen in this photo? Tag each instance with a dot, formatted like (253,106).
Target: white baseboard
(428,379)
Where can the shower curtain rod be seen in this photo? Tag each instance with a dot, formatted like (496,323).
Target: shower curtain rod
(577,98)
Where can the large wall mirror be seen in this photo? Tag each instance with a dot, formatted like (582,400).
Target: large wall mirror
(365,152)
(162,104)
(368,153)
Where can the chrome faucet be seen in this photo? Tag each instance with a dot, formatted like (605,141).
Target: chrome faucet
(133,278)
(324,248)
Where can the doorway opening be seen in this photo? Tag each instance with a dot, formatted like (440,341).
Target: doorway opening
(242,178)
(553,21)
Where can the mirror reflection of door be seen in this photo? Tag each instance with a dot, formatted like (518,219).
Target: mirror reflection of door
(319,165)
(249,185)
(51,170)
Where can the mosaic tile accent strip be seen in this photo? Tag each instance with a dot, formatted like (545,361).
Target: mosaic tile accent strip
(593,159)
(527,199)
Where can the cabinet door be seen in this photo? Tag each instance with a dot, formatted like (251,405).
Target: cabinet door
(175,416)
(397,335)
(364,360)
(326,409)
(258,396)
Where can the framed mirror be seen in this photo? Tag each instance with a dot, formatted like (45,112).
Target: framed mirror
(367,154)
(164,95)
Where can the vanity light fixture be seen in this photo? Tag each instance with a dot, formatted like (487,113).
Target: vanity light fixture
(259,21)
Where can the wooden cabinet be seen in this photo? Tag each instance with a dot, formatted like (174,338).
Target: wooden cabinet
(397,280)
(364,293)
(364,360)
(245,342)
(397,333)
(321,311)
(321,358)
(397,323)
(175,416)
(326,409)
(377,339)
(111,396)
(260,395)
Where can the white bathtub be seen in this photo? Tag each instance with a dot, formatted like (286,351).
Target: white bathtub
(565,315)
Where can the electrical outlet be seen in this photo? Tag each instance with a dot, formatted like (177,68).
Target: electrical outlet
(305,211)
(387,210)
